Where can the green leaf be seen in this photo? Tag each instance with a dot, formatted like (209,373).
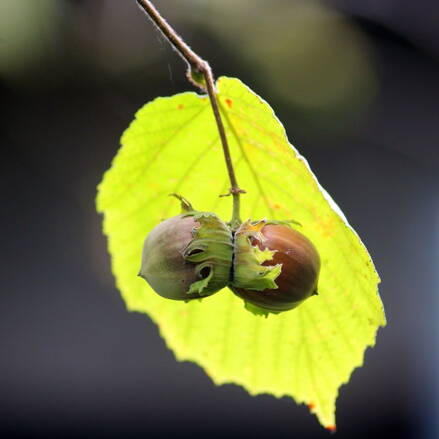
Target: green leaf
(172,146)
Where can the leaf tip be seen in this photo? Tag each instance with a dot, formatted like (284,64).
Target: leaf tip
(331,428)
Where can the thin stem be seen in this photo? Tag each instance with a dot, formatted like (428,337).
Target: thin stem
(196,67)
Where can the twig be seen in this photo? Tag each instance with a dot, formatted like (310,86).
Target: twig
(197,68)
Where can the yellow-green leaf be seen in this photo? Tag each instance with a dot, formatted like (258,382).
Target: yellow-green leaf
(172,146)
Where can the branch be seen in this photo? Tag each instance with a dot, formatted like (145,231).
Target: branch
(197,69)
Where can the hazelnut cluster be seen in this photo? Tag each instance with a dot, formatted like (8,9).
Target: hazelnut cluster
(270,265)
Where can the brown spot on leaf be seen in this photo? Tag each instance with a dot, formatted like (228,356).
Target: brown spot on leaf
(311,405)
(331,428)
(180,106)
(229,102)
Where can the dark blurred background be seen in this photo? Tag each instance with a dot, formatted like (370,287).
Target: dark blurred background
(357,86)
